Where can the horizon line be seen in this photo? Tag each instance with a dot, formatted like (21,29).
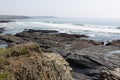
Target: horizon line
(58,16)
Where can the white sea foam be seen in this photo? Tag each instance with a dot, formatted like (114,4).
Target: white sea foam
(95,32)
(68,28)
(113,54)
(105,29)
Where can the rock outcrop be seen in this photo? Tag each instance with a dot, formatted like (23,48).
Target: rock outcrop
(5,20)
(28,62)
(90,60)
(116,43)
(92,63)
(111,74)
(11,38)
(2,30)
(51,41)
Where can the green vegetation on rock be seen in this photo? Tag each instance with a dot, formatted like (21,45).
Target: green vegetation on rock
(3,62)
(28,62)
(2,51)
(4,76)
(21,49)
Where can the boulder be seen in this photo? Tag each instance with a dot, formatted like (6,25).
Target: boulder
(6,21)
(111,74)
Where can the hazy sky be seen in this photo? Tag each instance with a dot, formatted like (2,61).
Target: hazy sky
(62,8)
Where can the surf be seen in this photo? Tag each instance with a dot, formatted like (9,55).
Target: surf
(103,29)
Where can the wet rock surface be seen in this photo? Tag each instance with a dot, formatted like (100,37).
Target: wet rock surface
(11,38)
(87,58)
(2,30)
(6,21)
(116,43)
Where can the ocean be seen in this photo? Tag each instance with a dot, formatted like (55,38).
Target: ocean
(96,29)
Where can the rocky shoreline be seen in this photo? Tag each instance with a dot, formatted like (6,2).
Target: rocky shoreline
(2,29)
(5,21)
(86,57)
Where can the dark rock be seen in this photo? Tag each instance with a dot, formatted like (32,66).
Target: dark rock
(79,76)
(64,44)
(108,44)
(61,43)
(42,31)
(6,21)
(116,43)
(84,61)
(2,30)
(25,29)
(65,35)
(84,56)
(10,38)
(2,42)
(89,65)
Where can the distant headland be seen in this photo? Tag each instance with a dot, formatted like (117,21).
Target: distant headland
(23,17)
(13,17)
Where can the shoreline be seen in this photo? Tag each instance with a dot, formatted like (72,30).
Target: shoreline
(86,57)
(6,21)
(86,37)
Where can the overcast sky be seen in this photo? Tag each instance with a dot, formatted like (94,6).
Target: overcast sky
(62,8)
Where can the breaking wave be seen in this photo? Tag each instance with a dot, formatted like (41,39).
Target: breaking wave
(95,31)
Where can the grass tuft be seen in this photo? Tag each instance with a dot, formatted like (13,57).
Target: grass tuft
(3,62)
(4,76)
(22,49)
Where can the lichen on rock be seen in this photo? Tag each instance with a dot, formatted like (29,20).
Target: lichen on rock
(30,63)
(111,74)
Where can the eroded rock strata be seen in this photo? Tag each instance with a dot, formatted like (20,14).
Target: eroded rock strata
(90,60)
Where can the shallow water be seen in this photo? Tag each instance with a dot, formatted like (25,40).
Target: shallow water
(115,55)
(3,45)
